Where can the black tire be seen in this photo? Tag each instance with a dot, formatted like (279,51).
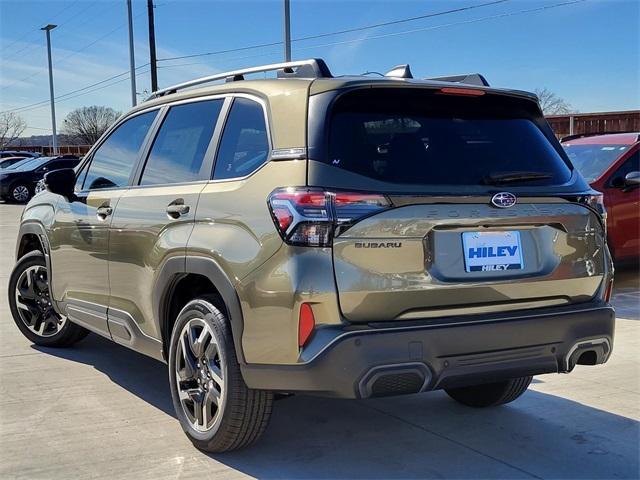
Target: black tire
(68,334)
(23,187)
(243,413)
(490,394)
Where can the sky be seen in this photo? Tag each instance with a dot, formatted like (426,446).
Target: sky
(586,51)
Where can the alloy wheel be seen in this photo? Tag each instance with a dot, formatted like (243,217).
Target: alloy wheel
(20,193)
(33,301)
(199,368)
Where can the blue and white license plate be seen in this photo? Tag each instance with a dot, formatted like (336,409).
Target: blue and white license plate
(492,251)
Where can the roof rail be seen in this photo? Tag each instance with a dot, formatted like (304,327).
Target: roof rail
(469,79)
(311,68)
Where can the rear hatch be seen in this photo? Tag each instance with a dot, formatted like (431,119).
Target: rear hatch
(480,213)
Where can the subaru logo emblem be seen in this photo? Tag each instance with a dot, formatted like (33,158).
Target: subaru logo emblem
(503,200)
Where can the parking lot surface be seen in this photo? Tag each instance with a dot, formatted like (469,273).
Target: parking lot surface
(98,410)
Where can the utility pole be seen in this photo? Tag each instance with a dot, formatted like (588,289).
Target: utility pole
(54,137)
(132,58)
(287,32)
(152,48)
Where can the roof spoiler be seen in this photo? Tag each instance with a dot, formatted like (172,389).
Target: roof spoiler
(476,79)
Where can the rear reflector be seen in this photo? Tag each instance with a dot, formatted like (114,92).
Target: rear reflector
(306,324)
(472,92)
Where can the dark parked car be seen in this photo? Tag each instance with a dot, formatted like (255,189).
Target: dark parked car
(611,164)
(17,153)
(17,182)
(8,161)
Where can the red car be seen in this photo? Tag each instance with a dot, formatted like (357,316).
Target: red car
(611,164)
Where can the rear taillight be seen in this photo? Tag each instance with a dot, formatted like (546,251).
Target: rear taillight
(312,217)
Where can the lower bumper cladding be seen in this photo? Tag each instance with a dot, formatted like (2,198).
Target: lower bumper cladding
(371,362)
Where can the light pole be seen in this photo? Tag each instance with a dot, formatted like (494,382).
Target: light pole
(132,58)
(287,32)
(54,142)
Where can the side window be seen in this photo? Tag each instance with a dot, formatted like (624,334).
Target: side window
(178,151)
(631,164)
(114,160)
(245,145)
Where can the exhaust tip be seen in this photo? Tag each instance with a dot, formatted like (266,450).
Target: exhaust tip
(588,352)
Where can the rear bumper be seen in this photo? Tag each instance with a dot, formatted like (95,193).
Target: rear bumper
(377,361)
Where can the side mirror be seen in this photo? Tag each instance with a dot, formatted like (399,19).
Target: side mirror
(632,179)
(61,181)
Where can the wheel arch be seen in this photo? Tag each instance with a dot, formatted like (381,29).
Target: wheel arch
(32,236)
(175,272)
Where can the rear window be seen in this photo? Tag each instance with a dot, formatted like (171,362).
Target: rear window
(410,137)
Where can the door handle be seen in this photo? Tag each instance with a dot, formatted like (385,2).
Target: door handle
(176,210)
(103,212)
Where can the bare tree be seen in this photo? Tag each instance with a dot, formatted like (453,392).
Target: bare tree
(87,124)
(552,104)
(11,127)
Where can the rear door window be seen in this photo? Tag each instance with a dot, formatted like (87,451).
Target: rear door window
(245,144)
(429,139)
(179,150)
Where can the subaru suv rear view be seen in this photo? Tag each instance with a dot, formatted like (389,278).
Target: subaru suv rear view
(351,237)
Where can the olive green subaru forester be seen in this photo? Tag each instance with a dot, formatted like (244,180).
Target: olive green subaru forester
(343,236)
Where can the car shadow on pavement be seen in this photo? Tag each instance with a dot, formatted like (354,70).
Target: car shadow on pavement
(415,436)
(143,376)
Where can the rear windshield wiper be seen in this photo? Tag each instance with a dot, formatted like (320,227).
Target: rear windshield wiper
(511,177)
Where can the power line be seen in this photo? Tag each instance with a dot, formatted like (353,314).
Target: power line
(77,14)
(31,46)
(62,96)
(433,27)
(144,72)
(36,29)
(405,32)
(445,25)
(340,32)
(72,54)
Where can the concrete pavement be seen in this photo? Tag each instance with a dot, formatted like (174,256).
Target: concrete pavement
(99,410)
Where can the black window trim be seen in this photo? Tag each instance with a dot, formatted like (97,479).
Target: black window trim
(215,138)
(209,156)
(89,156)
(136,174)
(267,124)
